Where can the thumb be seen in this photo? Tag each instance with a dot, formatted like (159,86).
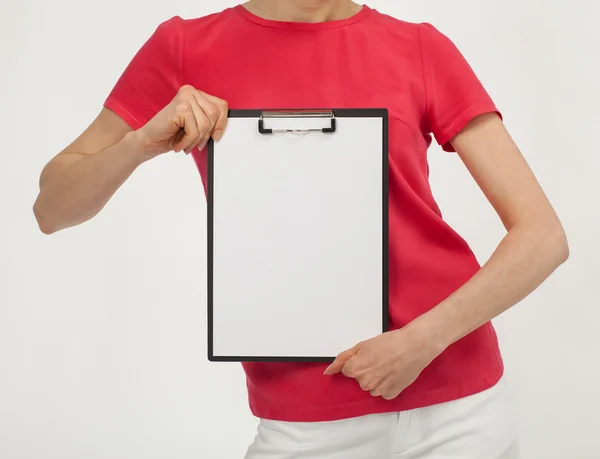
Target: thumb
(339,362)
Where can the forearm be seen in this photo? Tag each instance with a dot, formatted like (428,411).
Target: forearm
(75,188)
(523,260)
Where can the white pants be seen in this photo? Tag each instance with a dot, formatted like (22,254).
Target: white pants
(481,426)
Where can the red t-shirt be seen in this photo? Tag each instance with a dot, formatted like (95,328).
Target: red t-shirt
(368,60)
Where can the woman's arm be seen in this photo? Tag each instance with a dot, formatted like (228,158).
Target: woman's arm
(533,248)
(78,182)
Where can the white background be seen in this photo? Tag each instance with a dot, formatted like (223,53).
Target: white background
(102,327)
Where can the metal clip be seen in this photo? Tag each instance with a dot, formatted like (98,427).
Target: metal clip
(297,114)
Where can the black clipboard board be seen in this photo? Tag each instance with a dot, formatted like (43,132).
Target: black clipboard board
(264,125)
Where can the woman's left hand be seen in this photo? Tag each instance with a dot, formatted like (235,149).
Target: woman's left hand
(387,364)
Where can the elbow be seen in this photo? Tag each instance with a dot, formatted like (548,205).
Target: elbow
(565,251)
(559,243)
(44,222)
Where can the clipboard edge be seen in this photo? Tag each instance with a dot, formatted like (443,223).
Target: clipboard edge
(340,113)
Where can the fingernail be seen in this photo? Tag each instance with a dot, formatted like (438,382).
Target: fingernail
(217,135)
(201,146)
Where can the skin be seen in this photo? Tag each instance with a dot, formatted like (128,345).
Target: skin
(77,183)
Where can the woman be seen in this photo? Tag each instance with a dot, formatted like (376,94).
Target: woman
(432,387)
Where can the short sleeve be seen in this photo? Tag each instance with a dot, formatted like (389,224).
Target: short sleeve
(152,78)
(454,94)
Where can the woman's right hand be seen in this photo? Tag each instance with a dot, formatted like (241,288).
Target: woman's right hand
(188,122)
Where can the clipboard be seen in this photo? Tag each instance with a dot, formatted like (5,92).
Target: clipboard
(297,204)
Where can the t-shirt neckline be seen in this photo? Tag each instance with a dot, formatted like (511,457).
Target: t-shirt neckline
(363,13)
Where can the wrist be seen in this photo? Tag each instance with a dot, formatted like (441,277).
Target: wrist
(136,146)
(431,334)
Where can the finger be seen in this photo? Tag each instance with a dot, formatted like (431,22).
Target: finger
(212,113)
(336,366)
(340,361)
(188,124)
(379,389)
(221,123)
(389,390)
(201,124)
(349,369)
(375,392)
(366,385)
